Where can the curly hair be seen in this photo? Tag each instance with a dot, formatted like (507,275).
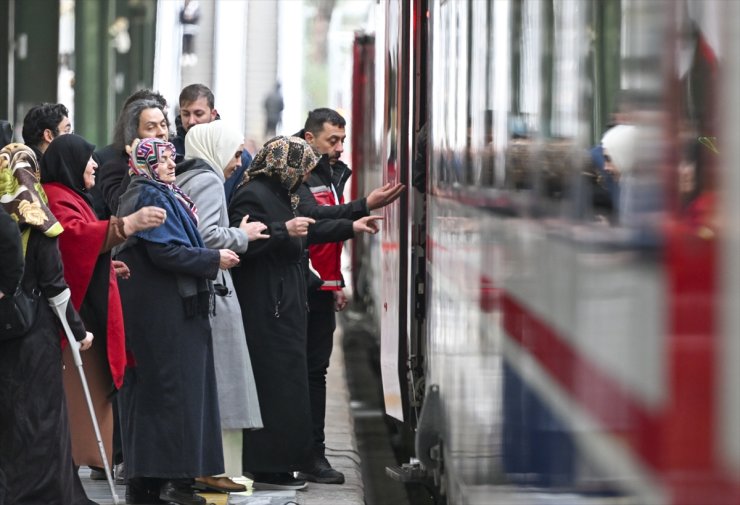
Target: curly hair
(39,118)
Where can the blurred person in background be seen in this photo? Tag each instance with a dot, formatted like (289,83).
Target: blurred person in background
(169,400)
(212,152)
(189,18)
(273,110)
(35,447)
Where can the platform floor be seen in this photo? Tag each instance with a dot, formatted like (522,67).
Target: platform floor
(341,450)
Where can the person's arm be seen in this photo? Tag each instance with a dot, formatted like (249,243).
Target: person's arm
(203,190)
(11,254)
(195,261)
(51,281)
(330,230)
(247,202)
(309,207)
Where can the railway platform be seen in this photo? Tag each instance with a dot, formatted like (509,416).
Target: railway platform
(341,450)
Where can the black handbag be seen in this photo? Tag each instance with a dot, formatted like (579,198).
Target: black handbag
(17,313)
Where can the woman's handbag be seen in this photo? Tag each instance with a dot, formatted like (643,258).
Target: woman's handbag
(17,313)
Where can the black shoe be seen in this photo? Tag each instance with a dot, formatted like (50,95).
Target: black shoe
(181,494)
(277,481)
(97,473)
(321,471)
(142,492)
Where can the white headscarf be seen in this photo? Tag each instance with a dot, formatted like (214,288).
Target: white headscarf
(216,143)
(620,144)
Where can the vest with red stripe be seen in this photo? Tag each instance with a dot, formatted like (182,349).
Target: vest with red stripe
(327,258)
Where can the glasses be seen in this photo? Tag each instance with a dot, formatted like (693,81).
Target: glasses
(238,154)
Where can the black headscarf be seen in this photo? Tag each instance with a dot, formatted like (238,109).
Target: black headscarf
(65,161)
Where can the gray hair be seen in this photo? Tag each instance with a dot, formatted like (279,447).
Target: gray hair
(127,126)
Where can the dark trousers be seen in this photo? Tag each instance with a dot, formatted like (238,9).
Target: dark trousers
(321,325)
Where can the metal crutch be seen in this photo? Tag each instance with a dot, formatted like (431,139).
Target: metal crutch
(59,305)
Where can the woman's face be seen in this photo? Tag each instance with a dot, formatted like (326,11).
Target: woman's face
(88,176)
(166,167)
(236,161)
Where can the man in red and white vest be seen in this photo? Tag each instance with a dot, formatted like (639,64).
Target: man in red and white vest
(321,198)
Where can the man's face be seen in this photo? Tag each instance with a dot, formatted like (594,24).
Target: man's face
(196,112)
(329,141)
(64,127)
(152,124)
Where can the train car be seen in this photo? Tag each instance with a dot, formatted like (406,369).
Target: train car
(558,315)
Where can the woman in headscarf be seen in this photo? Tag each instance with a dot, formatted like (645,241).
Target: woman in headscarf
(271,286)
(35,447)
(68,175)
(170,426)
(212,152)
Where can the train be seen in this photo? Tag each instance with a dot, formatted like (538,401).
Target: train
(552,330)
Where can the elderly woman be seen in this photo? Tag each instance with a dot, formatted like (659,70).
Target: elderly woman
(212,152)
(68,175)
(35,447)
(271,286)
(170,422)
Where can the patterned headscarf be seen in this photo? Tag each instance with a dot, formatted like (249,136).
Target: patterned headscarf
(286,160)
(216,143)
(21,194)
(144,160)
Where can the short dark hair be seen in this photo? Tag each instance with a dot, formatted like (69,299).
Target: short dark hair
(45,116)
(317,117)
(193,92)
(142,94)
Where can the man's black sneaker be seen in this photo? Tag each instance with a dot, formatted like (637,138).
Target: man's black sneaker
(277,481)
(321,472)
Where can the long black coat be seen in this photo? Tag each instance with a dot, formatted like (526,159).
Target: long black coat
(270,282)
(170,419)
(35,447)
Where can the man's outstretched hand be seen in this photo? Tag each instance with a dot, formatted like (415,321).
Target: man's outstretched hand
(382,196)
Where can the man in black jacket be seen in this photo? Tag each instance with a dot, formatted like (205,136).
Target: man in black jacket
(321,198)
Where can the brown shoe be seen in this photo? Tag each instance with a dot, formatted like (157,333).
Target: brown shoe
(218,484)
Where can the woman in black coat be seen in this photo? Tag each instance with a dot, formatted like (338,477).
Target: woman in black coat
(170,419)
(35,446)
(271,285)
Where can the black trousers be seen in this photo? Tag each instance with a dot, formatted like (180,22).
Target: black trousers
(321,325)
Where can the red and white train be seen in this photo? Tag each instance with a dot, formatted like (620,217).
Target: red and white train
(545,346)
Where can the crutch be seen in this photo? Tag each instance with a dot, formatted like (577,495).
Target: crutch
(59,305)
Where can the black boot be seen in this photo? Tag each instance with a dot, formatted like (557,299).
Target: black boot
(180,491)
(143,491)
(318,469)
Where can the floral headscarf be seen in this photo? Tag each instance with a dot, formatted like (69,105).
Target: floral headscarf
(21,194)
(144,160)
(284,159)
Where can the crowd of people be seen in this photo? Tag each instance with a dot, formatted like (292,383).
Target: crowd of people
(203,294)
